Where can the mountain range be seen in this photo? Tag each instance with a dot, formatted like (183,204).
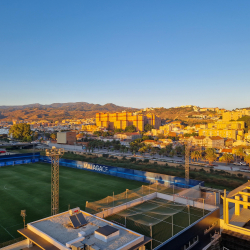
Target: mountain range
(56,111)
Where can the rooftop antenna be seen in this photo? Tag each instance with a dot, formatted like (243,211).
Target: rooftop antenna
(54,155)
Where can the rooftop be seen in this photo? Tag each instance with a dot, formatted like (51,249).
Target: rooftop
(58,229)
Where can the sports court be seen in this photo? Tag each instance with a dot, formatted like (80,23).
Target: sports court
(144,211)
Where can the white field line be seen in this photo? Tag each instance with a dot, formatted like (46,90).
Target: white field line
(8,232)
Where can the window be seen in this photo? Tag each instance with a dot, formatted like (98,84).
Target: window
(191,243)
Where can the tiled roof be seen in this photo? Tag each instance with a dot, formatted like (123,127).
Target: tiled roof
(215,138)
(199,137)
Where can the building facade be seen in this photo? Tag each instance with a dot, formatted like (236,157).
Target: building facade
(66,138)
(125,119)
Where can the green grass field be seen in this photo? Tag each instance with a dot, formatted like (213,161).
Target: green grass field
(28,187)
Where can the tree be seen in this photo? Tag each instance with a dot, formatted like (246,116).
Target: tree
(130,128)
(240,152)
(148,127)
(162,151)
(97,133)
(227,158)
(210,155)
(179,150)
(247,159)
(20,131)
(53,136)
(118,130)
(143,150)
(169,147)
(172,153)
(154,151)
(196,155)
(35,135)
(47,135)
(246,119)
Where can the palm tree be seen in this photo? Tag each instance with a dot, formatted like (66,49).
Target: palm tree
(169,147)
(210,155)
(162,151)
(172,153)
(196,155)
(227,158)
(153,151)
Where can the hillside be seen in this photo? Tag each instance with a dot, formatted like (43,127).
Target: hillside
(182,114)
(56,111)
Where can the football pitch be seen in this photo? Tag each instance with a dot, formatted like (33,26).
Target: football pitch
(28,187)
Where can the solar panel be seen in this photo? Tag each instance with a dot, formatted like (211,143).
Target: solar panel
(81,219)
(75,221)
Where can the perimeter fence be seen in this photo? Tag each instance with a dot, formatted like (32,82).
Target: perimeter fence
(17,159)
(126,173)
(156,210)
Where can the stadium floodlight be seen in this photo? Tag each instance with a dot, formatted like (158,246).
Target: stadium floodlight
(54,154)
(23,214)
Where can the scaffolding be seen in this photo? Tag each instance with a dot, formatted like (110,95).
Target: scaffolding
(54,155)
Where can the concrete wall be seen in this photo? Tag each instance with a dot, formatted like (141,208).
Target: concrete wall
(66,147)
(126,205)
(17,246)
(186,201)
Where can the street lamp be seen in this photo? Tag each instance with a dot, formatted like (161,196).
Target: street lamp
(23,214)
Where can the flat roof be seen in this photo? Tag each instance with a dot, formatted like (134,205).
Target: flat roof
(242,219)
(60,230)
(38,240)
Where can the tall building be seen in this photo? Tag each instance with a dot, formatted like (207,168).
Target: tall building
(66,137)
(235,115)
(225,129)
(125,119)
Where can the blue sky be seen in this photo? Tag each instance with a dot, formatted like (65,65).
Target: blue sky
(131,53)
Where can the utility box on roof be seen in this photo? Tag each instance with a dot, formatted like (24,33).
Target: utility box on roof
(107,233)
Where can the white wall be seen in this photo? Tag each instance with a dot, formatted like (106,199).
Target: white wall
(126,205)
(17,246)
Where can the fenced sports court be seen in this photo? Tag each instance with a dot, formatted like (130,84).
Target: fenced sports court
(156,211)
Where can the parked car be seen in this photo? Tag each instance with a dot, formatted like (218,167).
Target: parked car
(236,163)
(243,164)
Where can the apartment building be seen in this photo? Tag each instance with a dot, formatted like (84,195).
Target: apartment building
(207,142)
(221,124)
(235,115)
(127,136)
(225,133)
(125,119)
